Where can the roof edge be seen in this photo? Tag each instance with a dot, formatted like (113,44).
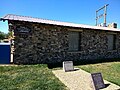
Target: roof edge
(54,22)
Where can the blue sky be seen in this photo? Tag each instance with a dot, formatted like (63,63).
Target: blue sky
(76,11)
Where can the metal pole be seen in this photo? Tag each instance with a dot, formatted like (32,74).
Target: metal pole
(104,15)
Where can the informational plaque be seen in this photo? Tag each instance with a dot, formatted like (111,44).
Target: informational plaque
(68,66)
(22,32)
(98,81)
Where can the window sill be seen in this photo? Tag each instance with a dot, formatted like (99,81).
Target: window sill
(112,51)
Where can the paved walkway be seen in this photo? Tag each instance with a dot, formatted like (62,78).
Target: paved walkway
(80,80)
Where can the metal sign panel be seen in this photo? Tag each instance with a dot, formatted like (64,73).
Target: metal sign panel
(68,66)
(98,81)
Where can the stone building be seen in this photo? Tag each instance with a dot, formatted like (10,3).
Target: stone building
(47,41)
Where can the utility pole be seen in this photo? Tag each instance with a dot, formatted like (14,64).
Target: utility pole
(102,15)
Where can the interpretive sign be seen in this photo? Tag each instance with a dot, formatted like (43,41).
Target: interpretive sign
(68,66)
(22,31)
(98,81)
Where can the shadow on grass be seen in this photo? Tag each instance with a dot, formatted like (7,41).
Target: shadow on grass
(83,62)
(75,62)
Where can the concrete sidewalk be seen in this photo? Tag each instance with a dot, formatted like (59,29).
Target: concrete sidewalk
(80,80)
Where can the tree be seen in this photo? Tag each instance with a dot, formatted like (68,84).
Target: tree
(5,35)
(2,35)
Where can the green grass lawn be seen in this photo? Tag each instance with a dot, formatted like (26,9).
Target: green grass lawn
(110,71)
(28,77)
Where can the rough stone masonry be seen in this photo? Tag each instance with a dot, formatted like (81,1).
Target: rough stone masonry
(45,43)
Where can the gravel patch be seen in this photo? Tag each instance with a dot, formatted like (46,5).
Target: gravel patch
(80,80)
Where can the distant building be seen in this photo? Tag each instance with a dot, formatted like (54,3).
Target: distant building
(47,41)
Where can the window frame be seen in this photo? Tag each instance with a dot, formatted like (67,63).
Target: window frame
(114,38)
(79,41)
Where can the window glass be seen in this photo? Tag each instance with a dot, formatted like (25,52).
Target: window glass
(74,41)
(111,41)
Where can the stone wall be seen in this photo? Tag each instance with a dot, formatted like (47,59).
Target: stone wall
(42,43)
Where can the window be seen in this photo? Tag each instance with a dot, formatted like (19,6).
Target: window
(111,41)
(74,41)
